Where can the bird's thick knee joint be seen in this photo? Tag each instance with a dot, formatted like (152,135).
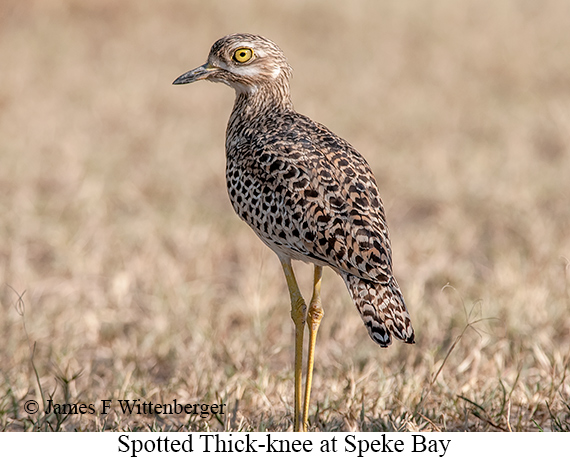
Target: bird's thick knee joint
(315,316)
(298,311)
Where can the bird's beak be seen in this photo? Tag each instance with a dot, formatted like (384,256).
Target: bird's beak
(195,75)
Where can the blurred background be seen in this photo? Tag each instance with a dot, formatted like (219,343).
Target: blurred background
(124,272)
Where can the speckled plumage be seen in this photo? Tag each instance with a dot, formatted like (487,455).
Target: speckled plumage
(307,193)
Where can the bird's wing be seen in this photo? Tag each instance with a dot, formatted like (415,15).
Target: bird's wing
(326,201)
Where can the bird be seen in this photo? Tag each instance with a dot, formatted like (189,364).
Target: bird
(307,194)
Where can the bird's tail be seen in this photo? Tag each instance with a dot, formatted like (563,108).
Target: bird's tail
(382,309)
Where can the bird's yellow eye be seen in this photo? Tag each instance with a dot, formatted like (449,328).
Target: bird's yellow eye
(243,55)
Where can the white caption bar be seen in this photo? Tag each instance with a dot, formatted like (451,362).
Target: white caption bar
(133,444)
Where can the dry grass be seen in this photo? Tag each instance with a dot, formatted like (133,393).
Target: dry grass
(140,282)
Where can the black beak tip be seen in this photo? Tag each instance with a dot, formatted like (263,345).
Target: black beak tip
(180,80)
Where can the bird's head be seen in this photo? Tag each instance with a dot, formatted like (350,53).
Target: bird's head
(243,61)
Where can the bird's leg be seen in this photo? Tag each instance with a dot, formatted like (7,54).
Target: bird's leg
(298,310)
(314,317)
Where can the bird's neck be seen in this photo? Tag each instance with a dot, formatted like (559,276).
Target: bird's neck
(253,110)
(259,102)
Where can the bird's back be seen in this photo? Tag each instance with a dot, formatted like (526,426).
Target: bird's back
(309,195)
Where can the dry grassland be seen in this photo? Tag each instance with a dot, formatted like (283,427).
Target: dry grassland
(137,281)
